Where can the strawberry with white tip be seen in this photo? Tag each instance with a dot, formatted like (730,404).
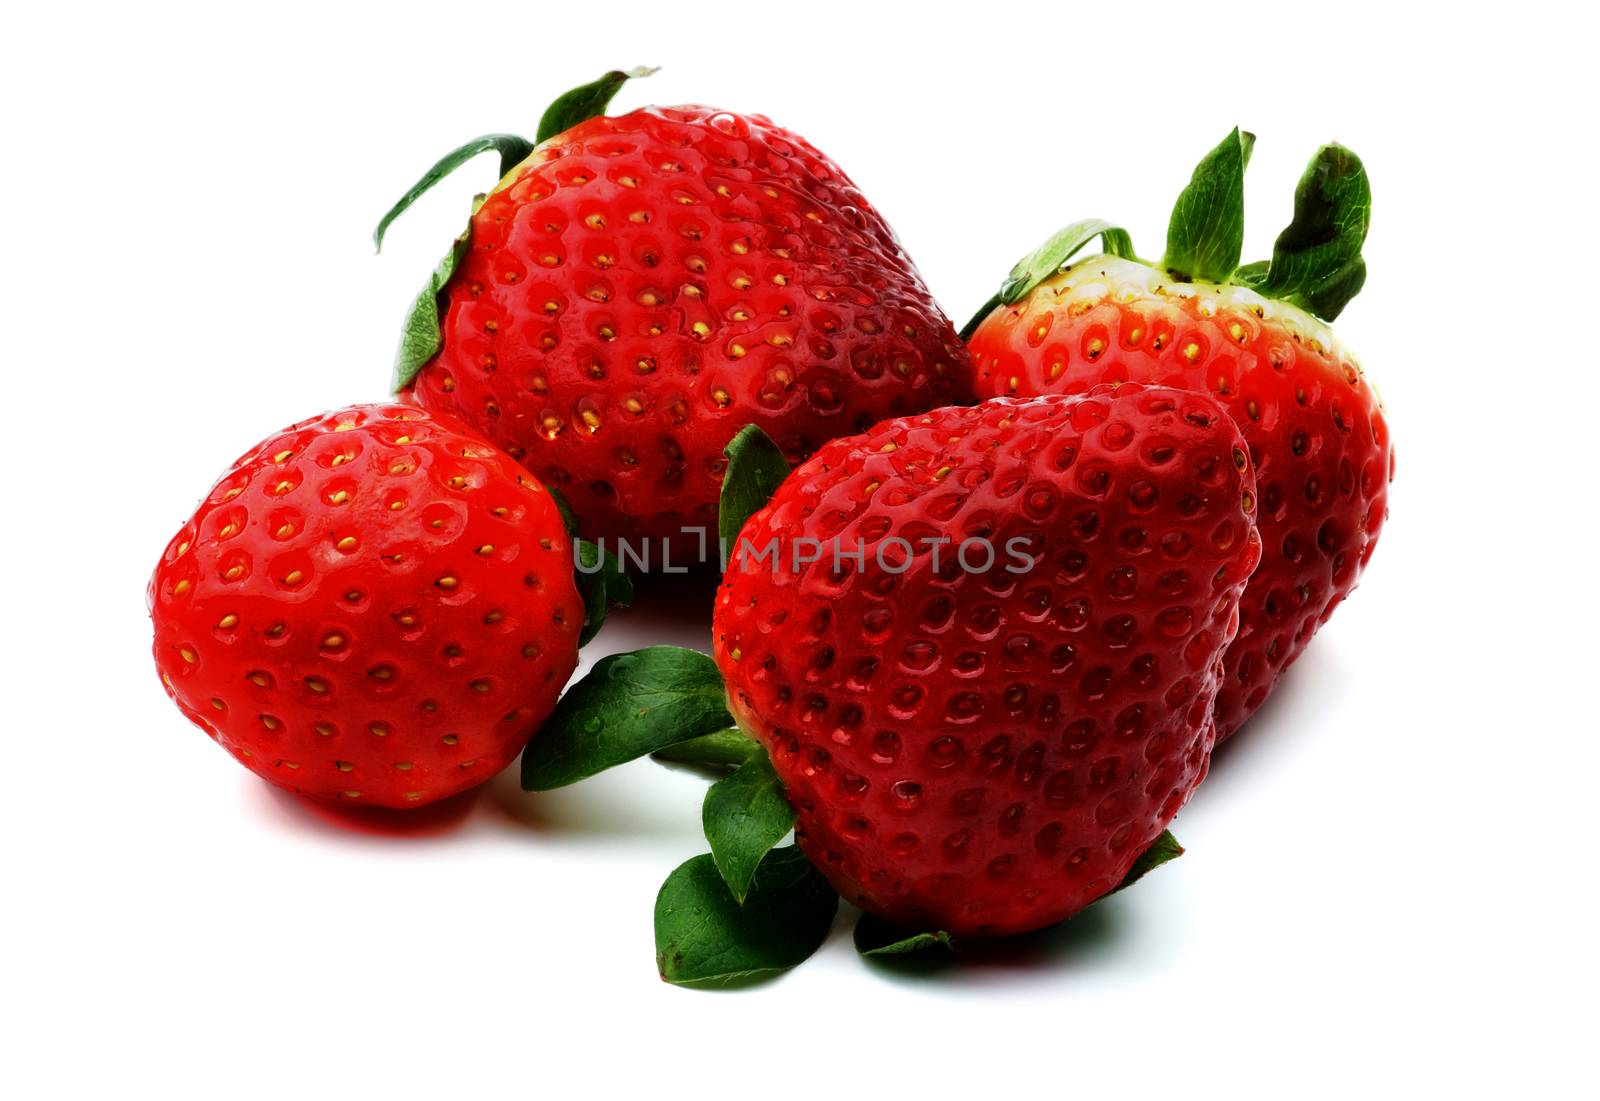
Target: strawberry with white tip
(1256,338)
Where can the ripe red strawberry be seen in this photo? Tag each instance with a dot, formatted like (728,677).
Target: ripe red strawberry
(987,751)
(371,606)
(1256,339)
(638,289)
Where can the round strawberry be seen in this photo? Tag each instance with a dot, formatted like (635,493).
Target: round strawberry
(635,290)
(373,606)
(1256,339)
(988,748)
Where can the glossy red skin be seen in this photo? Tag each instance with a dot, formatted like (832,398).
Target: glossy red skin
(987,753)
(1316,431)
(571,337)
(397,670)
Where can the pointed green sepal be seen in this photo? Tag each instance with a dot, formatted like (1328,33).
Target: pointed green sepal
(704,936)
(1161,850)
(756,468)
(1316,261)
(1251,274)
(569,519)
(720,748)
(585,102)
(423,334)
(1206,231)
(1050,258)
(744,815)
(512,149)
(628,706)
(876,937)
(603,583)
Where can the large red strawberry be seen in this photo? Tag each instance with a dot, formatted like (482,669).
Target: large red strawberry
(981,750)
(637,289)
(979,645)
(1255,338)
(371,606)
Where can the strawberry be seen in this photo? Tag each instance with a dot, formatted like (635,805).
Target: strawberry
(637,289)
(1256,338)
(988,752)
(372,606)
(980,648)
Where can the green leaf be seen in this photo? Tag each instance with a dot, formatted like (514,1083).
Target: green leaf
(423,334)
(1329,298)
(1053,255)
(585,102)
(1251,274)
(1206,231)
(977,319)
(1316,261)
(603,582)
(512,149)
(720,747)
(1163,849)
(629,705)
(1050,258)
(568,518)
(744,815)
(876,937)
(704,935)
(756,468)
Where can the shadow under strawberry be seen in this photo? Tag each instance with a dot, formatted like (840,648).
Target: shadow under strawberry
(1090,933)
(445,816)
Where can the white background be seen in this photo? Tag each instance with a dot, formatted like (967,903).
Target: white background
(1389,880)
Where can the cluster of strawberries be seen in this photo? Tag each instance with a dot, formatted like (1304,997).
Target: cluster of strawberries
(975,648)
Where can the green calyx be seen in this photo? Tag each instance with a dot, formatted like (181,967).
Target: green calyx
(1316,261)
(512,149)
(876,937)
(423,335)
(654,701)
(585,102)
(756,468)
(1051,257)
(748,907)
(704,937)
(628,706)
(602,581)
(1205,234)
